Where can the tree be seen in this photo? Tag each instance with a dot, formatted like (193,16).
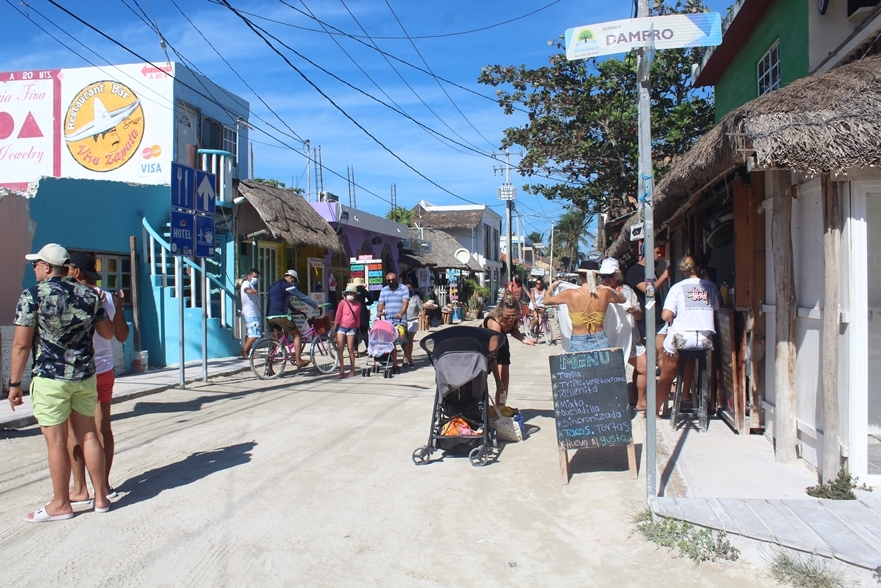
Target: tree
(280,185)
(570,233)
(581,133)
(535,237)
(400,215)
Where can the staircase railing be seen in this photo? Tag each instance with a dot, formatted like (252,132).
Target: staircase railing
(159,266)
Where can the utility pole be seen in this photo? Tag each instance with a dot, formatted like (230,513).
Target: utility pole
(552,253)
(308,171)
(646,186)
(508,193)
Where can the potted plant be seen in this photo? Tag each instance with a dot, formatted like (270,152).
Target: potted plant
(475,305)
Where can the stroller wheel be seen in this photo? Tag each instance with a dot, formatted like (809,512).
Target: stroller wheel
(422,455)
(479,456)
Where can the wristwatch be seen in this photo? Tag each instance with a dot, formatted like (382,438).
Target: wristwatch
(15,384)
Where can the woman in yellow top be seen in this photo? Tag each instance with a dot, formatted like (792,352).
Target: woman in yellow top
(586,310)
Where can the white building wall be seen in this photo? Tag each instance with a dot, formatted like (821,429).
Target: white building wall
(828,34)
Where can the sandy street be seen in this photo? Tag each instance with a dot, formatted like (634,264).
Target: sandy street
(309,481)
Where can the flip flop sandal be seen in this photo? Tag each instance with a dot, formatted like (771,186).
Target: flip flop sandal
(41,516)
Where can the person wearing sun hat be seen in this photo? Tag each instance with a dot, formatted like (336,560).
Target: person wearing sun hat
(345,323)
(58,317)
(364,299)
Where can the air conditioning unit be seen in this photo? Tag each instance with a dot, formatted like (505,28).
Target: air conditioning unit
(328,197)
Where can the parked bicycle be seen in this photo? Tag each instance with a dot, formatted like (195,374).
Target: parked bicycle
(271,353)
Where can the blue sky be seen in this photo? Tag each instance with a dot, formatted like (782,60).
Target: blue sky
(443,38)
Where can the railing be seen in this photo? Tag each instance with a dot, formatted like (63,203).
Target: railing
(219,163)
(215,288)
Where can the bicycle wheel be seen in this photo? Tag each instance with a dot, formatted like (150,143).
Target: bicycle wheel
(548,332)
(268,359)
(323,354)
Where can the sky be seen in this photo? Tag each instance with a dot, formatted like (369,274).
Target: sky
(438,49)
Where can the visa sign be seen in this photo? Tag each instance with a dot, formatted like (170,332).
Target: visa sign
(674,31)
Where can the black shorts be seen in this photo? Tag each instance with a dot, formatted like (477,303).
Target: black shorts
(504,356)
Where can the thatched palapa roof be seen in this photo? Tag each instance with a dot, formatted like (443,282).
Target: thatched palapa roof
(289,217)
(447,219)
(443,251)
(818,124)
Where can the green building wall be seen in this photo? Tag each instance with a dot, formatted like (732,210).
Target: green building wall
(786,21)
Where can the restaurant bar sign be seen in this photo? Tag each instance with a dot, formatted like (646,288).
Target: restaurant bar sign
(620,36)
(369,270)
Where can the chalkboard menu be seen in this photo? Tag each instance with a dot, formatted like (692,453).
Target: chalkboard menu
(590,399)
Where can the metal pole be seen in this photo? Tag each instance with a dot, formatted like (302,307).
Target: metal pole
(552,253)
(510,244)
(179,292)
(204,323)
(308,171)
(646,184)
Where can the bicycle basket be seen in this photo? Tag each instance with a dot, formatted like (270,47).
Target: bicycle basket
(321,325)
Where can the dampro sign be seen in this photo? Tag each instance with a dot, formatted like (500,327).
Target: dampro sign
(670,32)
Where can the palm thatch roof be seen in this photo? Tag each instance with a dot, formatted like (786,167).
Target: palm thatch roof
(818,124)
(447,219)
(289,217)
(443,251)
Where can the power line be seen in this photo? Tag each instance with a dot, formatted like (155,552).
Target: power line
(254,28)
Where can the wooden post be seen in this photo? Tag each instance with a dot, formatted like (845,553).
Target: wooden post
(563,456)
(831,243)
(784,313)
(757,352)
(136,314)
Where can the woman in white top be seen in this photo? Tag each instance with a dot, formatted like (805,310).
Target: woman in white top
(690,313)
(536,303)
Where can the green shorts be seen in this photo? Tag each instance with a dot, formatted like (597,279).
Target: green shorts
(52,400)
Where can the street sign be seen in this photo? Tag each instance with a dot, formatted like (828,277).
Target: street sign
(182,233)
(674,31)
(204,236)
(183,179)
(206,199)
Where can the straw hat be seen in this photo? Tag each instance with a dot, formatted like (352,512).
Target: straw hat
(350,287)
(358,282)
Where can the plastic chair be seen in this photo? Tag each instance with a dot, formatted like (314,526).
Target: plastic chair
(703,396)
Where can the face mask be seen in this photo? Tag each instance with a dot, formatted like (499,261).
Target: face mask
(393,284)
(350,297)
(254,282)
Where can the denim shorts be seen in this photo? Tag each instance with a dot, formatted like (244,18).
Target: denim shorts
(252,324)
(349,332)
(588,342)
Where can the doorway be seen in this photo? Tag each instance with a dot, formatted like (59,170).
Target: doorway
(873,348)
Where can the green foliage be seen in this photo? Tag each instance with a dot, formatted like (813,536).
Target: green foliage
(841,488)
(805,571)
(582,129)
(697,544)
(570,234)
(280,185)
(400,215)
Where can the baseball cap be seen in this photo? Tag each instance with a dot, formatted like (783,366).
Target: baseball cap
(588,265)
(609,266)
(292,273)
(85,262)
(51,253)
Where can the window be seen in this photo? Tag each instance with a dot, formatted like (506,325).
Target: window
(116,273)
(768,70)
(212,134)
(230,143)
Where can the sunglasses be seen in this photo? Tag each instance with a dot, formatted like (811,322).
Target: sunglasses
(510,317)
(36,263)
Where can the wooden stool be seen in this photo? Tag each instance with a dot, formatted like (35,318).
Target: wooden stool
(447,316)
(423,321)
(703,396)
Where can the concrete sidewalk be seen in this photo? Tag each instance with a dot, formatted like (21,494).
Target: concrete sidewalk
(132,386)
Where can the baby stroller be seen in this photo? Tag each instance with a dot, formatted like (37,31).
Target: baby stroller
(461,357)
(382,340)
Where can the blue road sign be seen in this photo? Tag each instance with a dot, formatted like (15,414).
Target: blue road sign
(183,183)
(206,198)
(183,234)
(204,236)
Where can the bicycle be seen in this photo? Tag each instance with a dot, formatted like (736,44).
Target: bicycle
(270,354)
(543,330)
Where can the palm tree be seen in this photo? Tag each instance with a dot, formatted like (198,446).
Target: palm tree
(571,233)
(400,215)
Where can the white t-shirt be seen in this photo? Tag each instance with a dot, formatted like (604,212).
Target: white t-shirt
(103,347)
(249,301)
(694,301)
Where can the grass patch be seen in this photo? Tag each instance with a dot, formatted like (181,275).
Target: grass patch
(806,572)
(841,488)
(697,544)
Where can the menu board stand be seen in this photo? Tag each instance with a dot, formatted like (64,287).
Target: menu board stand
(591,404)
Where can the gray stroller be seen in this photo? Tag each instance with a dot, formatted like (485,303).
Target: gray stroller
(461,357)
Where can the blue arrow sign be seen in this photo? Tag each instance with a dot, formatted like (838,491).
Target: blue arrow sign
(204,236)
(183,181)
(183,234)
(206,198)
(670,32)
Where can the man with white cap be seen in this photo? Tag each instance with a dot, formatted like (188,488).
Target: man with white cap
(58,317)
(278,311)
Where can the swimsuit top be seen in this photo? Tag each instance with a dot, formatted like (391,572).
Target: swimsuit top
(538,297)
(588,316)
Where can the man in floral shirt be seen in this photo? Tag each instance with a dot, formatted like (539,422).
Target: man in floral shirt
(58,317)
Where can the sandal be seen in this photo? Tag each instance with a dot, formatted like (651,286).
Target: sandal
(340,376)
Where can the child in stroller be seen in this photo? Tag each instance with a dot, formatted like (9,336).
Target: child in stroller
(461,357)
